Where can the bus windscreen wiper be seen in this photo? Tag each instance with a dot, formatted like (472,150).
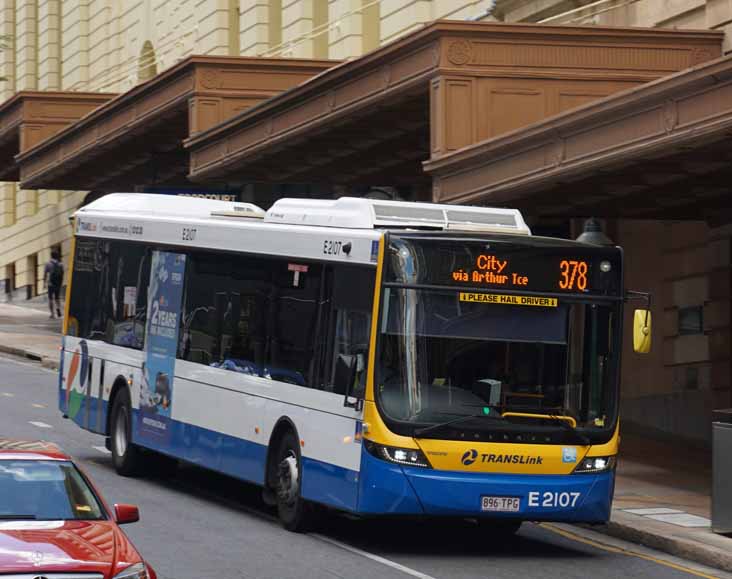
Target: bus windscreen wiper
(573,429)
(461,418)
(18,517)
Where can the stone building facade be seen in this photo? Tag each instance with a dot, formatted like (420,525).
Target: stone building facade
(109,46)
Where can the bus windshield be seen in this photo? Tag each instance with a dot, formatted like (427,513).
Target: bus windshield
(444,354)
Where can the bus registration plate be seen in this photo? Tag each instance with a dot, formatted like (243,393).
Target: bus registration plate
(501,504)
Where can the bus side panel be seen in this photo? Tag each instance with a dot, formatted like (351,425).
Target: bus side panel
(86,379)
(224,420)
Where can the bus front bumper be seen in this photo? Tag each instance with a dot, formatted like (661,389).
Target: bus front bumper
(388,488)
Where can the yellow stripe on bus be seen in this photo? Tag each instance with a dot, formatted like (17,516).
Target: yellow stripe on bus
(370,391)
(509,300)
(70,277)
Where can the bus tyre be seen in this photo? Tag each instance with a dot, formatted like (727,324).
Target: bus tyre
(295,513)
(126,456)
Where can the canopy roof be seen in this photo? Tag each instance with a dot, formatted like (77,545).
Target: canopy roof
(137,138)
(29,117)
(450,84)
(663,150)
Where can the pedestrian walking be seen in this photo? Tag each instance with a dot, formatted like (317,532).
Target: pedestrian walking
(53,279)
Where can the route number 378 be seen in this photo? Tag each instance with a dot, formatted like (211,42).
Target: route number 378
(574,275)
(552,499)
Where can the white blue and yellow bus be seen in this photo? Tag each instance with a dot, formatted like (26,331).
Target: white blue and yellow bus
(374,357)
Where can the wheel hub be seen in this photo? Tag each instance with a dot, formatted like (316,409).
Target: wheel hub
(120,433)
(288,479)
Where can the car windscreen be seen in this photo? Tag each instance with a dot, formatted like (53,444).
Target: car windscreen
(45,490)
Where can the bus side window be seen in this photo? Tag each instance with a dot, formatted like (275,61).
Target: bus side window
(85,304)
(130,275)
(294,308)
(109,291)
(353,294)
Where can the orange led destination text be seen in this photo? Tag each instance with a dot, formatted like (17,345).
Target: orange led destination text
(574,274)
(490,269)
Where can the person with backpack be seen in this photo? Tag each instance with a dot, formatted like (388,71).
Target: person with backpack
(53,279)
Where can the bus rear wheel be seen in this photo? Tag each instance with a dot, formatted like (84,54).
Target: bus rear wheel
(295,513)
(126,456)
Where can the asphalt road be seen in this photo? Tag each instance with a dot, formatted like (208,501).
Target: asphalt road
(200,525)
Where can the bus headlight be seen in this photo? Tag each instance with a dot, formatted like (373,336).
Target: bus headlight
(595,464)
(405,456)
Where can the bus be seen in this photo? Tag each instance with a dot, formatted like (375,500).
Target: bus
(368,356)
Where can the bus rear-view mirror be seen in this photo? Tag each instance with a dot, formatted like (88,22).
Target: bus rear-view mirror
(642,331)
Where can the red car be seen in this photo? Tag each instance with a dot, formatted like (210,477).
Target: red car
(53,520)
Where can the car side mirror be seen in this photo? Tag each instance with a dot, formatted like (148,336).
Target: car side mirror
(642,331)
(345,376)
(124,514)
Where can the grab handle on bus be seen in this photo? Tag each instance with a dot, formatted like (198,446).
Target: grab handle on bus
(569,419)
(346,371)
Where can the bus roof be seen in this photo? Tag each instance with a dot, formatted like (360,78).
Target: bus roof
(346,212)
(315,228)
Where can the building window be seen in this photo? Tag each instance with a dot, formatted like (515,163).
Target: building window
(691,320)
(147,66)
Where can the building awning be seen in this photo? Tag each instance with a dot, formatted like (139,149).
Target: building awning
(29,117)
(374,120)
(136,139)
(661,151)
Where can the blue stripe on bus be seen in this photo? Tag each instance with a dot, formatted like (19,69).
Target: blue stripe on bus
(385,488)
(324,483)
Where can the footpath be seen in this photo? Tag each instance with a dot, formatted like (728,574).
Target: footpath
(662,490)
(27,330)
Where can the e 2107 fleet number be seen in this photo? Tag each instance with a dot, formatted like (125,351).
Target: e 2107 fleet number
(552,499)
(332,247)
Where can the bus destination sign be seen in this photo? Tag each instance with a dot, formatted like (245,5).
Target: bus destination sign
(489,269)
(502,266)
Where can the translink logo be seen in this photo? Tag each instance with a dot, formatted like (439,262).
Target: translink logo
(471,456)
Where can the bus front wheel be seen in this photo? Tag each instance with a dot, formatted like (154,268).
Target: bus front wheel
(125,455)
(295,513)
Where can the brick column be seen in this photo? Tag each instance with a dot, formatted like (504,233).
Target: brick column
(346,37)
(213,27)
(75,44)
(396,13)
(41,258)
(25,274)
(299,18)
(26,45)
(718,313)
(7,56)
(7,204)
(26,203)
(254,36)
(49,45)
